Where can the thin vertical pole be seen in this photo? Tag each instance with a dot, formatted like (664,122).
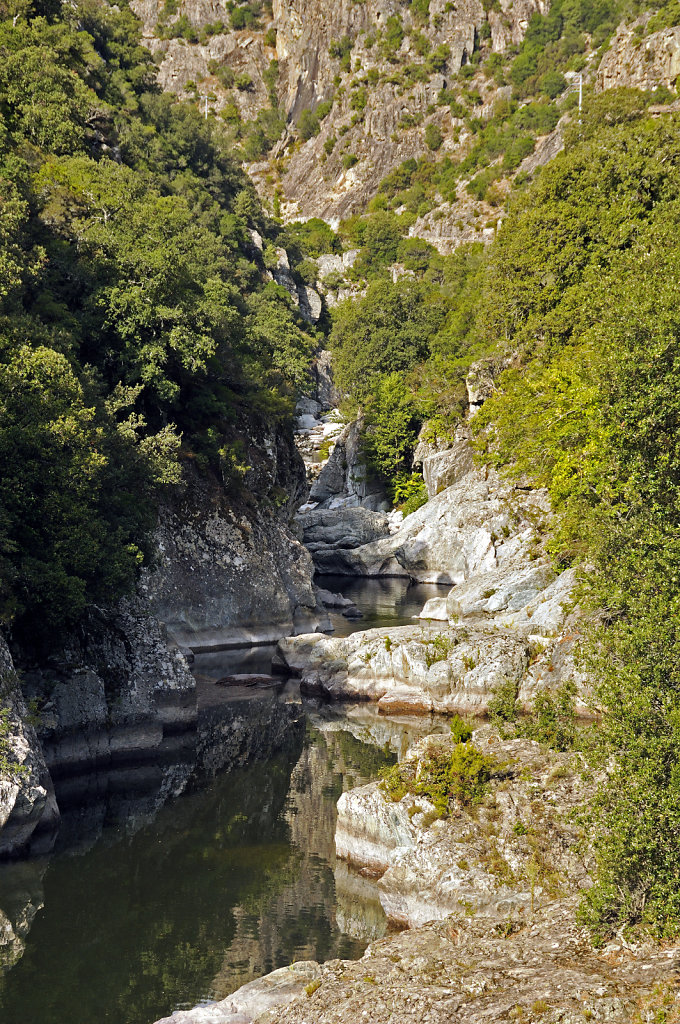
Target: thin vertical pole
(580,96)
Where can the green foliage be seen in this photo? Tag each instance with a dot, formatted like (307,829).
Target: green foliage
(308,124)
(460,776)
(409,492)
(341,49)
(445,777)
(503,705)
(313,237)
(390,426)
(387,332)
(433,136)
(552,719)
(581,287)
(132,320)
(461,731)
(438,648)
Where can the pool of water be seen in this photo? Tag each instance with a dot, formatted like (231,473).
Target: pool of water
(387,601)
(384,602)
(143,911)
(222,886)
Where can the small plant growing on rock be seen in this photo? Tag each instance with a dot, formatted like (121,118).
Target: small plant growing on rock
(394,783)
(438,649)
(461,776)
(553,718)
(503,705)
(461,731)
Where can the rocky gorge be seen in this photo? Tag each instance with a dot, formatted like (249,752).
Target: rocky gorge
(230,749)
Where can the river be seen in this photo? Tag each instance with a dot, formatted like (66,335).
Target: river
(140,913)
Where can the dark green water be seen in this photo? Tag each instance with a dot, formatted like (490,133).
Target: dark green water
(222,886)
(156,912)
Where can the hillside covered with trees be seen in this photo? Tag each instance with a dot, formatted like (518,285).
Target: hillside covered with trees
(137,329)
(577,297)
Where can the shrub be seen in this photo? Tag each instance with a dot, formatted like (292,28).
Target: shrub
(503,706)
(460,776)
(308,124)
(433,136)
(461,731)
(243,81)
(553,718)
(408,492)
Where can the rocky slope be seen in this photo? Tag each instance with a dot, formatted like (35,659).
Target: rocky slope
(384,86)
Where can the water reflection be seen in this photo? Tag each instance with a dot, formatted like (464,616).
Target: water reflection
(224,885)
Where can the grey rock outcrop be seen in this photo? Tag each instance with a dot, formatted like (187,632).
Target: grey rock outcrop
(408,670)
(325,391)
(28,806)
(536,967)
(325,531)
(637,61)
(431,868)
(443,468)
(473,526)
(229,570)
(346,481)
(251,1000)
(114,693)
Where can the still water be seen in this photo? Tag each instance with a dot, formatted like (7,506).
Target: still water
(149,912)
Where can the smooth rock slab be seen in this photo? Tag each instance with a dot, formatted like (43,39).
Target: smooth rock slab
(247,1003)
(408,669)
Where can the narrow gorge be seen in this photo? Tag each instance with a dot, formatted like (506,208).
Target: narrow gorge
(339,512)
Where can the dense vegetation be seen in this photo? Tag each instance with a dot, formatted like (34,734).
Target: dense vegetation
(579,294)
(136,327)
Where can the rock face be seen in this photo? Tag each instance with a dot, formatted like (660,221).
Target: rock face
(249,1002)
(345,481)
(490,900)
(486,861)
(641,62)
(114,694)
(541,969)
(408,670)
(475,525)
(507,619)
(229,570)
(326,530)
(28,808)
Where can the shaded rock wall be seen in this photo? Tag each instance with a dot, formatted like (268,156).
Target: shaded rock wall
(228,568)
(27,802)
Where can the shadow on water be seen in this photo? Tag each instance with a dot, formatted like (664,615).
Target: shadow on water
(222,886)
(143,911)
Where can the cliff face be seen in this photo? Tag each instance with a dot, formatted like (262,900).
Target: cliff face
(228,568)
(639,61)
(27,802)
(382,97)
(379,130)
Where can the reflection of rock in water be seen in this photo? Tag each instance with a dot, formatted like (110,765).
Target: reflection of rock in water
(304,917)
(394,732)
(358,912)
(21,897)
(235,728)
